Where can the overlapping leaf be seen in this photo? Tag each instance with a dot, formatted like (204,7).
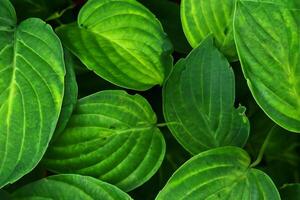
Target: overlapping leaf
(268,41)
(31,91)
(70,95)
(203,17)
(290,192)
(112,136)
(199,102)
(71,186)
(121,41)
(221,173)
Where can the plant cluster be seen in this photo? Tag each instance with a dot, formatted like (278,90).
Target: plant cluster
(150,99)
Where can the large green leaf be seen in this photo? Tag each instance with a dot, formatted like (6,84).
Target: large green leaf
(112,136)
(203,17)
(199,102)
(121,41)
(67,187)
(290,192)
(268,41)
(221,173)
(31,91)
(70,95)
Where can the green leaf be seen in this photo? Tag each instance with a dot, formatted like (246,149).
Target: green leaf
(199,102)
(201,18)
(290,192)
(168,13)
(66,187)
(267,38)
(121,41)
(221,173)
(112,136)
(31,91)
(70,95)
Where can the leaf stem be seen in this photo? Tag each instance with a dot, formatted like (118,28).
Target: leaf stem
(167,123)
(58,14)
(263,148)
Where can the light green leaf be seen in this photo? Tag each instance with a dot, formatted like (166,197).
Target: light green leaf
(70,96)
(31,91)
(199,102)
(290,192)
(268,39)
(111,136)
(221,173)
(67,187)
(201,18)
(121,41)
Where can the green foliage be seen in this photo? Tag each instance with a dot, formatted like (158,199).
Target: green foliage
(137,60)
(268,49)
(225,173)
(31,92)
(199,102)
(111,136)
(92,108)
(65,187)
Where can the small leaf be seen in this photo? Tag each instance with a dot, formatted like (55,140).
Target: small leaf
(31,91)
(65,187)
(70,95)
(290,192)
(121,41)
(201,18)
(221,173)
(112,136)
(267,38)
(199,102)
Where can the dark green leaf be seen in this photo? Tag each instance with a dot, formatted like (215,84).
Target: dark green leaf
(199,102)
(70,95)
(290,192)
(31,91)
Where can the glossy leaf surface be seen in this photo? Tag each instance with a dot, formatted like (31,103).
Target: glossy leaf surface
(111,136)
(121,41)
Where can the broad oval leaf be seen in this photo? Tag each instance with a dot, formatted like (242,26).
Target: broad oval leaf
(267,38)
(69,186)
(31,91)
(221,173)
(199,102)
(201,18)
(70,95)
(121,41)
(290,192)
(112,136)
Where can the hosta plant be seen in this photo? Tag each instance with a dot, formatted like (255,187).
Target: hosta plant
(149,99)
